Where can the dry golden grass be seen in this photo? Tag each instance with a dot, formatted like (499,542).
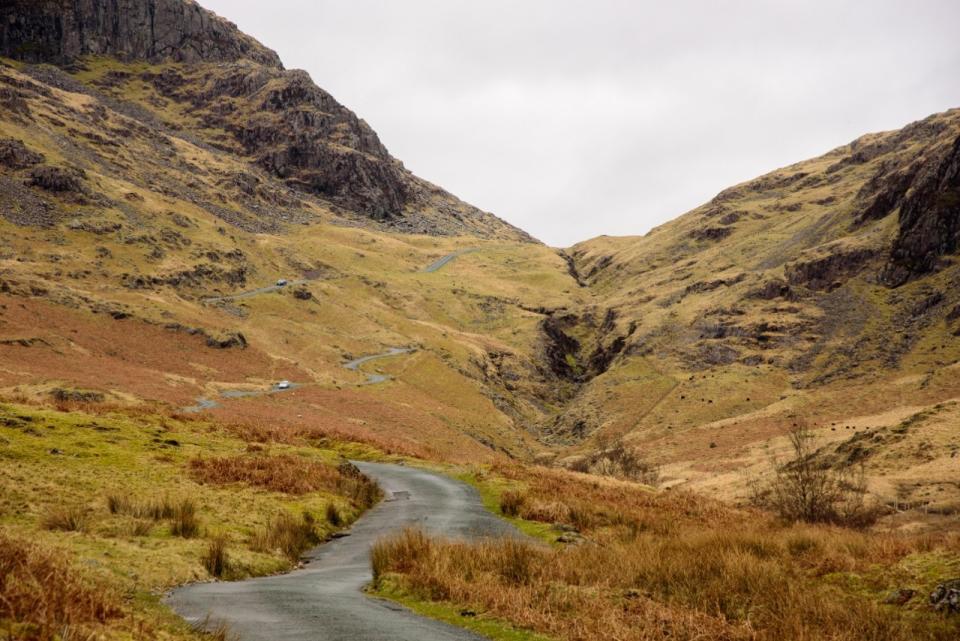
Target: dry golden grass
(263,432)
(290,535)
(668,565)
(181,513)
(215,558)
(47,596)
(66,519)
(285,473)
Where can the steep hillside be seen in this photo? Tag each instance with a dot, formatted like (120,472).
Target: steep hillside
(217,87)
(124,240)
(826,291)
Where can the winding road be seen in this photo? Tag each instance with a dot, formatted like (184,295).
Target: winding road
(323,601)
(373,379)
(206,403)
(446,259)
(254,292)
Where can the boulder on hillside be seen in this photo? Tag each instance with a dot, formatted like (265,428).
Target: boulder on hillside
(946,596)
(15,155)
(57,179)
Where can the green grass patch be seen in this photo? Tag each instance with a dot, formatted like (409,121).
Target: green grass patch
(459,616)
(110,491)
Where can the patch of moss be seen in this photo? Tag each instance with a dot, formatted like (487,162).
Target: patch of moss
(477,622)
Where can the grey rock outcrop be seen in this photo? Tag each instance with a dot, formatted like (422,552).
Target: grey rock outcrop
(946,596)
(929,220)
(58,31)
(278,119)
(15,155)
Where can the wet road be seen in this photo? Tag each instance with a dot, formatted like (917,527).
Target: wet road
(323,601)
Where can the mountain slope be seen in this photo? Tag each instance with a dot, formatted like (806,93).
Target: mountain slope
(235,96)
(824,292)
(137,190)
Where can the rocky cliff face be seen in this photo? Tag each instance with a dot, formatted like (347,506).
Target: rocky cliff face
(929,219)
(294,130)
(59,31)
(278,120)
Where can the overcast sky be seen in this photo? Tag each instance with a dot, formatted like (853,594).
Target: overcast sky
(575,119)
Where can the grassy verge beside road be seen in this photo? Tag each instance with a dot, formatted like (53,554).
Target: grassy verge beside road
(103,509)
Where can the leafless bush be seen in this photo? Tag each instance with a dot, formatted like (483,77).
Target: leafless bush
(620,461)
(806,489)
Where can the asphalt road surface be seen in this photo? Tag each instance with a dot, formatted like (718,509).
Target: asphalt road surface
(323,601)
(255,292)
(373,379)
(446,259)
(204,403)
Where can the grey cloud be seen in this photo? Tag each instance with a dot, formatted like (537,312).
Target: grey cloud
(573,119)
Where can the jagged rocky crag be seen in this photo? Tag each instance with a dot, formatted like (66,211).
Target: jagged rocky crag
(278,119)
(60,31)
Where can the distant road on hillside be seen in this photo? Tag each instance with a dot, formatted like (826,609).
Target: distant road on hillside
(373,379)
(255,292)
(446,259)
(323,601)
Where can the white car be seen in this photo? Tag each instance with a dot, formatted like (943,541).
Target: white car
(282,282)
(283,385)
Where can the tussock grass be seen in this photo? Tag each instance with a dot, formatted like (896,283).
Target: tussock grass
(511,502)
(289,474)
(261,434)
(181,513)
(363,492)
(67,519)
(141,528)
(400,553)
(215,558)
(46,596)
(184,522)
(157,509)
(668,565)
(333,515)
(284,473)
(288,534)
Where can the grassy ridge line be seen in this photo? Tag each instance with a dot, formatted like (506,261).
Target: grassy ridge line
(138,503)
